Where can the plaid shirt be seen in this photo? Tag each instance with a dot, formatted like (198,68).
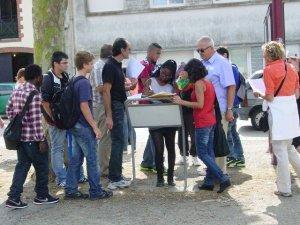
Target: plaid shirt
(32,129)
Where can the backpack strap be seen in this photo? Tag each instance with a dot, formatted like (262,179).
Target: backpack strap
(28,101)
(280,86)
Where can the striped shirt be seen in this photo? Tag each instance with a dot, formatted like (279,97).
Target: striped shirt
(96,80)
(32,129)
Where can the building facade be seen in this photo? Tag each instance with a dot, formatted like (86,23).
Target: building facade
(177,25)
(16,37)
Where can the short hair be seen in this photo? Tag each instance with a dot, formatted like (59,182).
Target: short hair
(21,73)
(83,57)
(118,45)
(153,46)
(106,51)
(57,57)
(207,40)
(195,69)
(32,71)
(274,50)
(223,50)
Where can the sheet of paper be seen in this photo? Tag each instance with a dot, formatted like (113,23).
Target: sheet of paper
(134,68)
(258,85)
(137,96)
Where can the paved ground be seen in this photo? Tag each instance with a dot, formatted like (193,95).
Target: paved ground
(249,201)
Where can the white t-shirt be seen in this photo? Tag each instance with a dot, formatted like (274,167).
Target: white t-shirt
(156,87)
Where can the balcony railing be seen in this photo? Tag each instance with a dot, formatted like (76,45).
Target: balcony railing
(9,29)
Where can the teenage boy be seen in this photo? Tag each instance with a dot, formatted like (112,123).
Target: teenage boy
(85,134)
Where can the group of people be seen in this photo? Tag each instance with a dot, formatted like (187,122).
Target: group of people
(100,133)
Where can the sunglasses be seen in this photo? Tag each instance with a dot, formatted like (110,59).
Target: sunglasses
(202,50)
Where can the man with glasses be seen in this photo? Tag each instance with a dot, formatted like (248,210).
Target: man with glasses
(114,96)
(221,75)
(53,81)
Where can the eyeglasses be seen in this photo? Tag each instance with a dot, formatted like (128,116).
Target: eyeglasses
(202,50)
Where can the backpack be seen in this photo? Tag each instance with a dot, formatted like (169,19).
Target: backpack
(64,107)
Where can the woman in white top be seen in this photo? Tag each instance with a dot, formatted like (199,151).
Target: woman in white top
(163,82)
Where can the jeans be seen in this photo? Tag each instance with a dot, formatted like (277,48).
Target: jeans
(83,145)
(149,154)
(189,131)
(233,139)
(58,138)
(28,153)
(205,149)
(127,132)
(117,142)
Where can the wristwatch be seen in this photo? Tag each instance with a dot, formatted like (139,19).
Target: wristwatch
(229,109)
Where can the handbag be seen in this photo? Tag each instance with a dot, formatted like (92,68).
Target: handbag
(221,147)
(12,133)
(264,121)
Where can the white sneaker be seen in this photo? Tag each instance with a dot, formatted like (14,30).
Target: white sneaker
(180,161)
(119,184)
(195,161)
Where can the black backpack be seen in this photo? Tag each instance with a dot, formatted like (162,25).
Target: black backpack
(13,132)
(64,106)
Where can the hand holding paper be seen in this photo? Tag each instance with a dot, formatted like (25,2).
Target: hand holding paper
(258,86)
(134,68)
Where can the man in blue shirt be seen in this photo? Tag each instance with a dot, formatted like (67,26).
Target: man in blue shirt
(221,75)
(85,134)
(236,157)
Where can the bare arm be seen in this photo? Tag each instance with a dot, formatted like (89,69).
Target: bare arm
(99,89)
(199,89)
(230,96)
(46,106)
(85,109)
(147,88)
(107,104)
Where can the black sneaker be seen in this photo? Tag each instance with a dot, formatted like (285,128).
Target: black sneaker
(223,186)
(76,195)
(104,194)
(15,204)
(46,200)
(206,187)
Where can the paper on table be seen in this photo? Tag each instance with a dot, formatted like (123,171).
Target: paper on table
(137,96)
(134,68)
(258,85)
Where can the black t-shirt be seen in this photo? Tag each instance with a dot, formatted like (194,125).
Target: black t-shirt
(112,73)
(52,84)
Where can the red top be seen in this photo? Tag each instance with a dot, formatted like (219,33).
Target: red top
(205,117)
(146,73)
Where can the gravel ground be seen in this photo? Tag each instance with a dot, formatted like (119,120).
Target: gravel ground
(250,200)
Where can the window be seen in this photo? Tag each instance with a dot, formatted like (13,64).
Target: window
(228,1)
(95,6)
(240,58)
(8,19)
(166,3)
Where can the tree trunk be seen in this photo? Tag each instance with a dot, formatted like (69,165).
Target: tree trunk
(48,24)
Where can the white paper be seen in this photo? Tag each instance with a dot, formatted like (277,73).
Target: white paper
(137,96)
(258,85)
(134,68)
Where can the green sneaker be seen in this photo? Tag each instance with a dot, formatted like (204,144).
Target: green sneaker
(155,171)
(240,163)
(231,162)
(146,168)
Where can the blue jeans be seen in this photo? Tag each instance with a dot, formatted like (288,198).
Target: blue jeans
(204,138)
(127,132)
(58,139)
(117,142)
(233,139)
(149,154)
(84,144)
(28,154)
